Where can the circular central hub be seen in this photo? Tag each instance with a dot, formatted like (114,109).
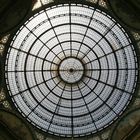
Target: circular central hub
(71,70)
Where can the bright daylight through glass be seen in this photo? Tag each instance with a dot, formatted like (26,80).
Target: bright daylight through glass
(71,70)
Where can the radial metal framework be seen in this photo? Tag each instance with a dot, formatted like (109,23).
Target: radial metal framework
(71,70)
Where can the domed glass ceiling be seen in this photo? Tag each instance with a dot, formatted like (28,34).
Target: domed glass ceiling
(71,70)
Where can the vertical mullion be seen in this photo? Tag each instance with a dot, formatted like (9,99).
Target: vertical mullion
(86,32)
(57,107)
(70,24)
(41,40)
(43,99)
(108,53)
(114,87)
(55,33)
(101,99)
(87,107)
(72,126)
(103,36)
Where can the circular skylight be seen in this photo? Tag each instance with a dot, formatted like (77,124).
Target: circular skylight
(71,70)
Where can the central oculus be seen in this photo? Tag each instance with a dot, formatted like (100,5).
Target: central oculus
(71,70)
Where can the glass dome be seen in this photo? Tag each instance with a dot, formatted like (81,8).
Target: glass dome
(71,70)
